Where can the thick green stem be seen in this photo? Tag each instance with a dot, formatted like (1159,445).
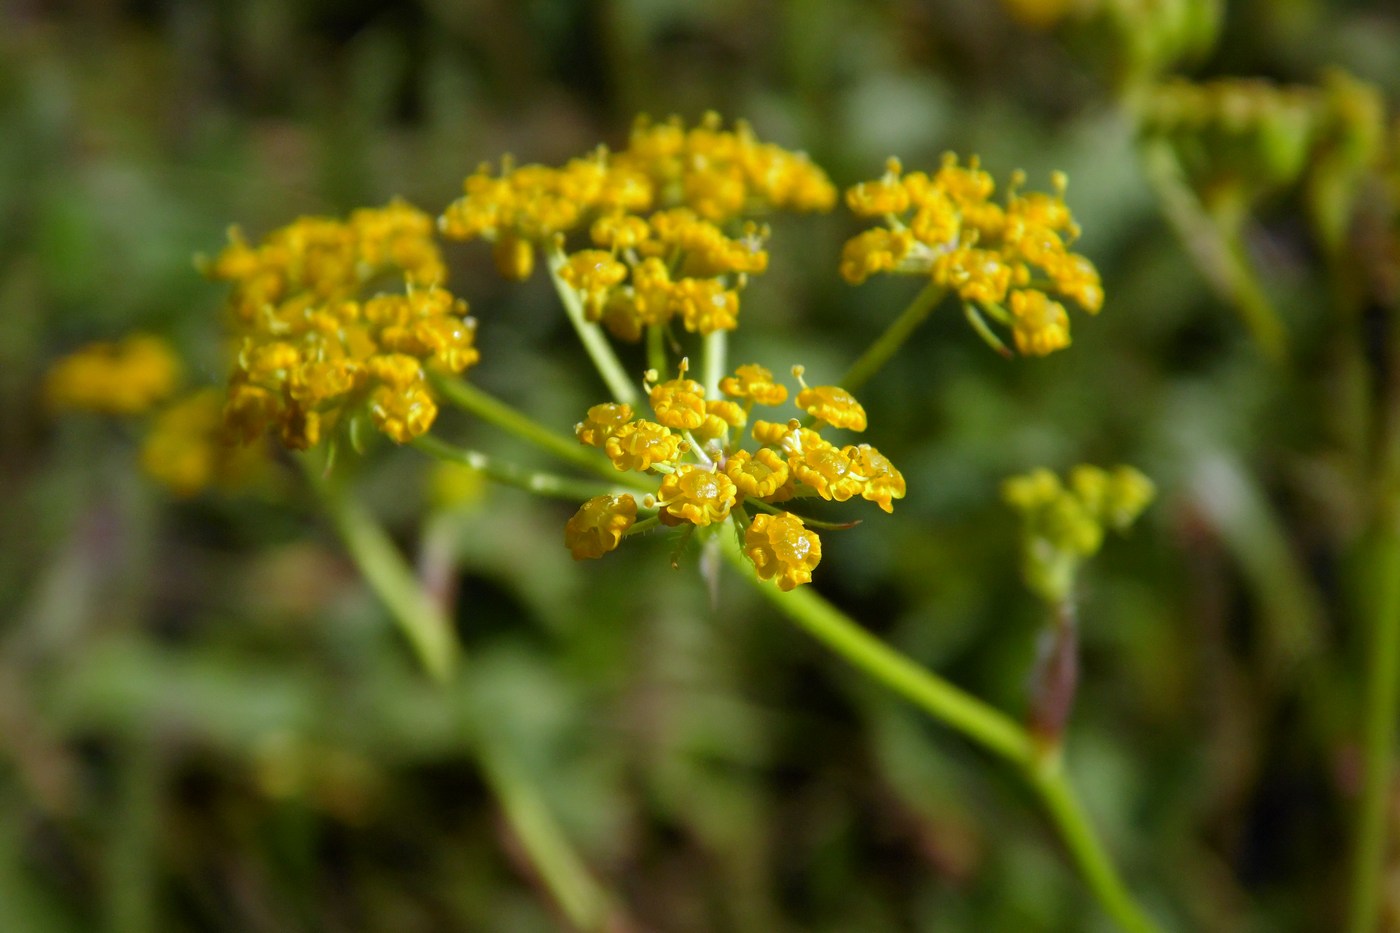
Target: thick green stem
(716,360)
(1218,253)
(590,334)
(1381,607)
(489,408)
(884,347)
(656,350)
(982,723)
(533,481)
(427,629)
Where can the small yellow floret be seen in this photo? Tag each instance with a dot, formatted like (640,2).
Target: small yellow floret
(598,526)
(754,383)
(833,405)
(782,548)
(1039,325)
(679,403)
(696,494)
(602,422)
(883,482)
(760,475)
(638,445)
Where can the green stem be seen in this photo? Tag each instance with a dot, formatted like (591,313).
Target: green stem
(656,350)
(1077,833)
(1218,252)
(1381,565)
(532,481)
(884,347)
(716,359)
(423,623)
(979,721)
(590,334)
(489,408)
(975,719)
(586,904)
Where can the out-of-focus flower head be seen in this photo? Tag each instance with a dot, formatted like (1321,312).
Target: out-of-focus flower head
(341,320)
(664,219)
(1004,260)
(125,377)
(1063,524)
(187,447)
(707,477)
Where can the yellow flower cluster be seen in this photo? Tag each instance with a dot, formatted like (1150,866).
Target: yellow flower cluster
(707,478)
(1064,523)
(314,348)
(1004,260)
(127,377)
(655,213)
(671,265)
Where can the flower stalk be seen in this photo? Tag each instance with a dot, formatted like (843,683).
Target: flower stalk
(888,343)
(590,334)
(977,720)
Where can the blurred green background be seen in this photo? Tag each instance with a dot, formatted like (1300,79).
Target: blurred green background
(207,722)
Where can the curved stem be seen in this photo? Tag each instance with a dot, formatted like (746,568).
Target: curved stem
(979,721)
(423,623)
(489,408)
(590,334)
(1381,605)
(884,347)
(533,481)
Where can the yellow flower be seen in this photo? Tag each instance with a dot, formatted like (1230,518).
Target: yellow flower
(770,433)
(883,482)
(696,494)
(594,273)
(884,196)
(679,403)
(758,475)
(598,526)
(403,414)
(706,306)
(720,174)
(754,384)
(1039,325)
(874,251)
(720,416)
(708,472)
(946,227)
(312,352)
(603,422)
(123,378)
(782,548)
(825,469)
(639,445)
(833,405)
